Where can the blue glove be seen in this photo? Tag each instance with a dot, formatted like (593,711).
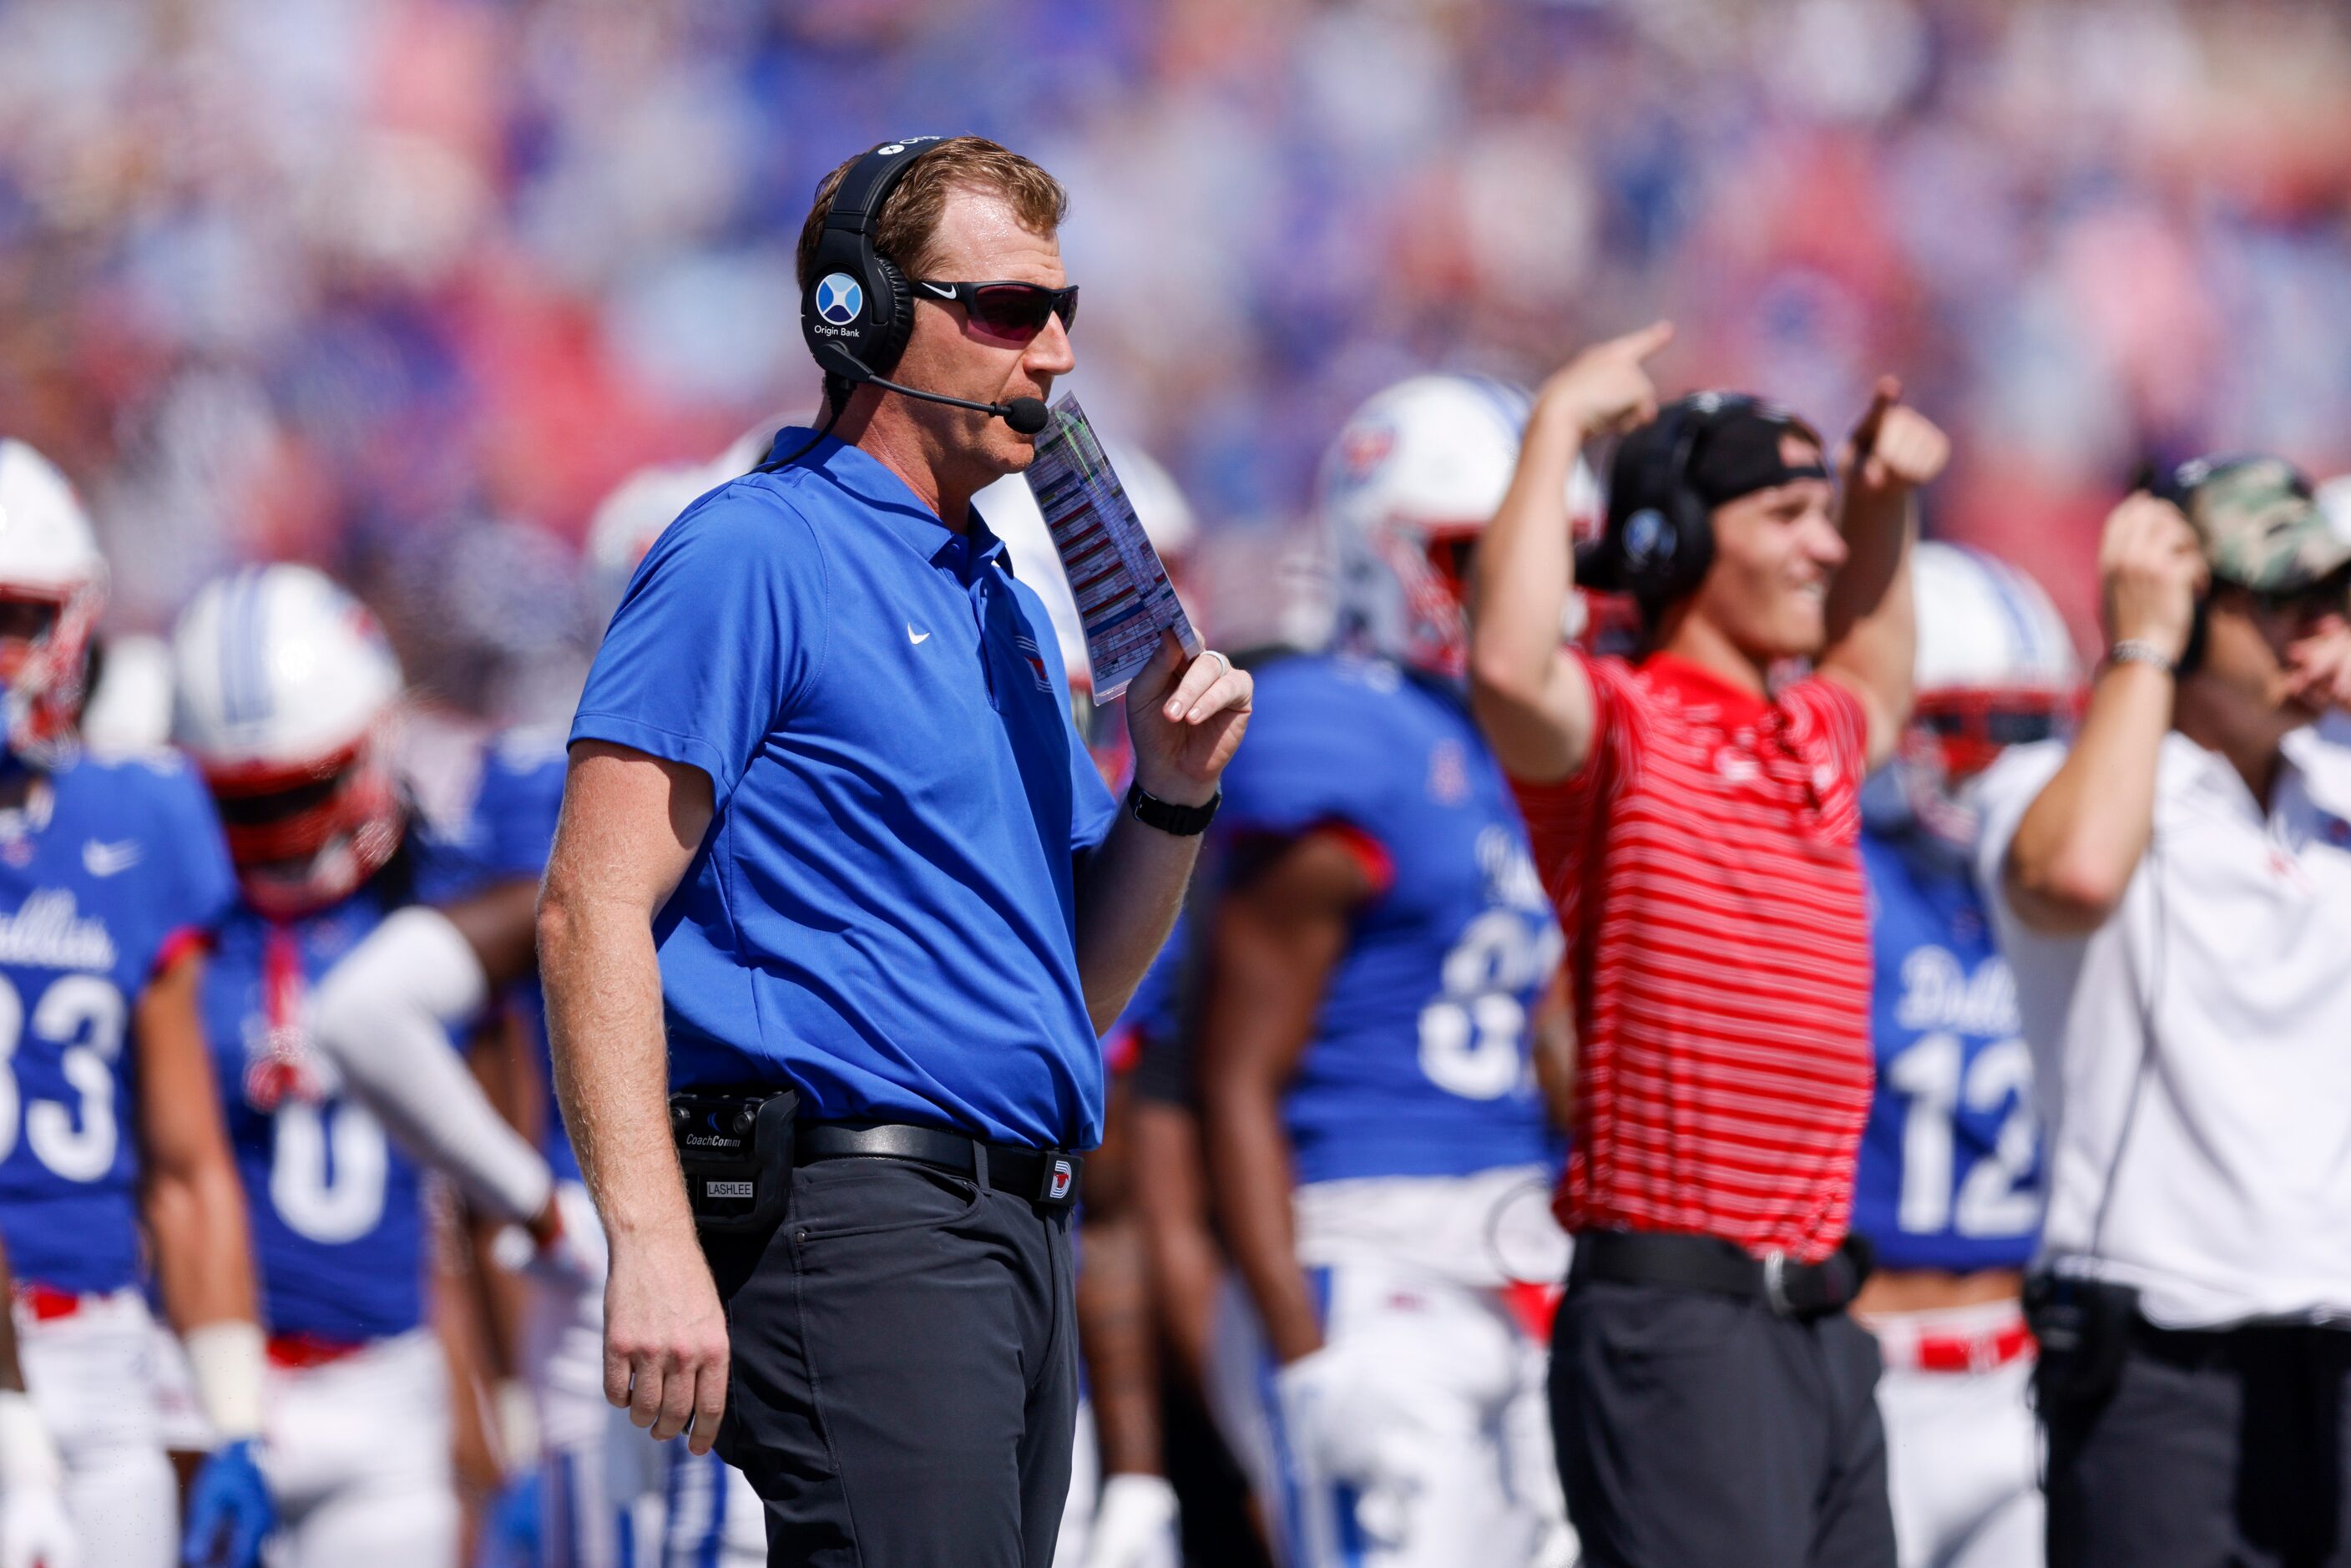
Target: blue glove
(229,1509)
(510,1536)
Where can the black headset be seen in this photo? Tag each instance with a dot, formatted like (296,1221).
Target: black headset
(857,310)
(1666,541)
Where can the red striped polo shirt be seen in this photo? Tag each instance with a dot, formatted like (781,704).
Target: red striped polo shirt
(1705,866)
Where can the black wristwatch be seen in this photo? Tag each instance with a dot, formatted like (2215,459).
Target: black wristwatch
(1184,821)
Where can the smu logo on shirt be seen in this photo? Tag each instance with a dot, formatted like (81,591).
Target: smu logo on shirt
(48,932)
(1036,657)
(1936,994)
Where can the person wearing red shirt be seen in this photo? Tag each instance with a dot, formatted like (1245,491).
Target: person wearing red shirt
(1697,822)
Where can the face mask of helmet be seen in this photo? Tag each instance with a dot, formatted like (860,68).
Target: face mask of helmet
(52,589)
(307,837)
(1995,669)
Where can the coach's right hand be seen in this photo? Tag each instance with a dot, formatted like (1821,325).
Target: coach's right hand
(2150,569)
(665,1333)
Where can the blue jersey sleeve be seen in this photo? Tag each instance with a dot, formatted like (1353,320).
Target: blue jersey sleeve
(201,888)
(1313,755)
(515,808)
(720,629)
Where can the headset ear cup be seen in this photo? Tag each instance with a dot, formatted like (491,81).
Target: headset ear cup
(1693,545)
(890,307)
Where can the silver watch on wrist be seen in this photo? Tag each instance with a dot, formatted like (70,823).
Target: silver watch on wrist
(2139,651)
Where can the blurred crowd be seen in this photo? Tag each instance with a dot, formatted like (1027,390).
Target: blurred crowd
(402,287)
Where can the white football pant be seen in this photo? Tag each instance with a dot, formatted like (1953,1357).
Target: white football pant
(602,1479)
(1429,1443)
(714,1519)
(1963,1452)
(92,1376)
(357,1454)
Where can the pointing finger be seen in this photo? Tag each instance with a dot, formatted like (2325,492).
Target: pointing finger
(1881,400)
(1649,340)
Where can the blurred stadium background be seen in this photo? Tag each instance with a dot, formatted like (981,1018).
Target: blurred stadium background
(401,287)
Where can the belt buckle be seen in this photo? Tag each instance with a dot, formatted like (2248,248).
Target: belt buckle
(1775,1284)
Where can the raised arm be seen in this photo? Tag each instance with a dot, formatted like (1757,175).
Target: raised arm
(1873,624)
(630,827)
(2079,843)
(1532,698)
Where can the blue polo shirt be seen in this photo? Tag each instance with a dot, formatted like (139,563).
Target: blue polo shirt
(883,915)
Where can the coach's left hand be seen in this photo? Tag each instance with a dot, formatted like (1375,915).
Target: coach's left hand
(1185,721)
(1895,447)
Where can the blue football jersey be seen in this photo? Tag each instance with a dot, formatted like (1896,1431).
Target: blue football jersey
(514,808)
(337,1224)
(1419,1062)
(107,872)
(1950,1164)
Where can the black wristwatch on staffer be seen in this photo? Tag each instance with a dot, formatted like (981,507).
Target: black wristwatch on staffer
(1184,821)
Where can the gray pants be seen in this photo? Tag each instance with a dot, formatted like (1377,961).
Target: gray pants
(904,1383)
(2226,1446)
(1695,1429)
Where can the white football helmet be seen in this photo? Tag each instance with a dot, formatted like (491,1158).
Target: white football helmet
(1995,668)
(634,514)
(1408,486)
(52,588)
(288,693)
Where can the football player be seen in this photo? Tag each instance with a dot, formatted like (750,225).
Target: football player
(1376,956)
(109,873)
(1949,1186)
(287,702)
(600,1481)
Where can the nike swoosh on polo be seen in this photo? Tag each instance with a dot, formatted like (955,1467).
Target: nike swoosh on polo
(106,859)
(917,637)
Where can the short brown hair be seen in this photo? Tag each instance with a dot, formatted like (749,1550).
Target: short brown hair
(909,220)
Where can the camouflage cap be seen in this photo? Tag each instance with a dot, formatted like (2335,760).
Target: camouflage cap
(2260,526)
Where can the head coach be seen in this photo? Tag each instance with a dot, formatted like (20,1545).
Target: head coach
(1698,822)
(2173,892)
(831,843)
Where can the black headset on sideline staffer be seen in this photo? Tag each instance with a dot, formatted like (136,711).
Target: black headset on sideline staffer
(857,310)
(1660,535)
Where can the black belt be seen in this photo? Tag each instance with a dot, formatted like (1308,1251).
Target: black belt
(1710,1263)
(1041,1176)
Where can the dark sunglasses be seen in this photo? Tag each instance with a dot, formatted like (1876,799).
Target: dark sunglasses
(1006,308)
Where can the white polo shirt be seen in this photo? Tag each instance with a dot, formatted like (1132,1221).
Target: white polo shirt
(2232,1197)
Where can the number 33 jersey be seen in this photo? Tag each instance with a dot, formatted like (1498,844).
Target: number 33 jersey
(1419,1062)
(108,873)
(1950,1165)
(338,1223)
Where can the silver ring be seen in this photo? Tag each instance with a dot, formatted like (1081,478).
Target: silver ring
(1226,665)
